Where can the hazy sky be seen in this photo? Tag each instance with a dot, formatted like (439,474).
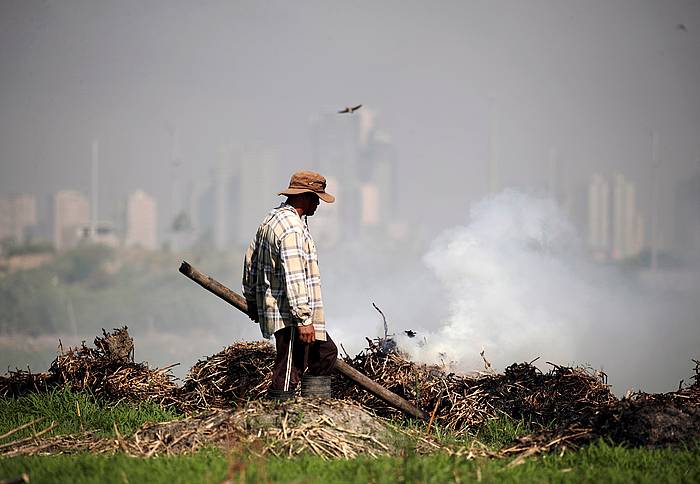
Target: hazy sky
(591,79)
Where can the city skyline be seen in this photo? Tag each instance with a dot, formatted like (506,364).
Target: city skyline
(227,203)
(612,224)
(494,88)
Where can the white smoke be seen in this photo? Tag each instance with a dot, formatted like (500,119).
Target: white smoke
(518,284)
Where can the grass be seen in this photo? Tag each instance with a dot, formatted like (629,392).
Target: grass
(498,433)
(495,434)
(598,462)
(61,406)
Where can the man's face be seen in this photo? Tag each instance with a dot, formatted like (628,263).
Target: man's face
(312,202)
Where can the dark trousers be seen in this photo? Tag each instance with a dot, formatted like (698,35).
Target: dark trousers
(294,357)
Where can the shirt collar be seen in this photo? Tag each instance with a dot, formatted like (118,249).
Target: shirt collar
(286,206)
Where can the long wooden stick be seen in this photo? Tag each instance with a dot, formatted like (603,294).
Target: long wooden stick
(238,301)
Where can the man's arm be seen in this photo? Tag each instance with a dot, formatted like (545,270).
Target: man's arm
(294,265)
(248,283)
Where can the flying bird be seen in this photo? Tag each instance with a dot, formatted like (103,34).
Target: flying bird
(349,110)
(410,334)
(682,27)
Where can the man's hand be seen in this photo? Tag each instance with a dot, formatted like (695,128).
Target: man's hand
(253,311)
(307,334)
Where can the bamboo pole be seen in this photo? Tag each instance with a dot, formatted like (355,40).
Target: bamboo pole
(239,302)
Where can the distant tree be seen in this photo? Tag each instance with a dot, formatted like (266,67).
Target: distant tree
(38,247)
(81,263)
(30,303)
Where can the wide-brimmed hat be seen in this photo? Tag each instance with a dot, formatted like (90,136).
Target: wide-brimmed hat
(308,182)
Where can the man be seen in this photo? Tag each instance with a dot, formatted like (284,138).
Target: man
(282,285)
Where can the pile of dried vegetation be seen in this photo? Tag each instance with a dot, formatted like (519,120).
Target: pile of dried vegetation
(108,370)
(461,403)
(655,420)
(240,372)
(563,406)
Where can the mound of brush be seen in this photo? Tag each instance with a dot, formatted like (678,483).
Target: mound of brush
(563,406)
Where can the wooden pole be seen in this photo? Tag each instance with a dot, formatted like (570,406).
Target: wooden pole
(214,286)
(239,302)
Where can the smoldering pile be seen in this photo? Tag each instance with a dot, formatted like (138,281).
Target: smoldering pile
(659,419)
(639,420)
(462,403)
(108,370)
(563,407)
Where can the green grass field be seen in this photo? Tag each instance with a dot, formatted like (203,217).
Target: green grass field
(598,462)
(61,406)
(595,463)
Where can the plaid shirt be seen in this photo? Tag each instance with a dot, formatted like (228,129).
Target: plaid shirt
(280,274)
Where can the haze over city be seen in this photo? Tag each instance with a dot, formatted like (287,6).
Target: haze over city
(525,174)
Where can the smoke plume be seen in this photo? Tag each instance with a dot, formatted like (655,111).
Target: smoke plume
(518,284)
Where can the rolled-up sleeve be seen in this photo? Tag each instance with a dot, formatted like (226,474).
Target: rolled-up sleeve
(294,266)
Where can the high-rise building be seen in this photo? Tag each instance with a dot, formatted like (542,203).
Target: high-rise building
(599,217)
(379,168)
(370,216)
(627,222)
(18,215)
(200,216)
(203,210)
(336,154)
(71,218)
(615,225)
(259,180)
(362,160)
(326,221)
(141,221)
(687,217)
